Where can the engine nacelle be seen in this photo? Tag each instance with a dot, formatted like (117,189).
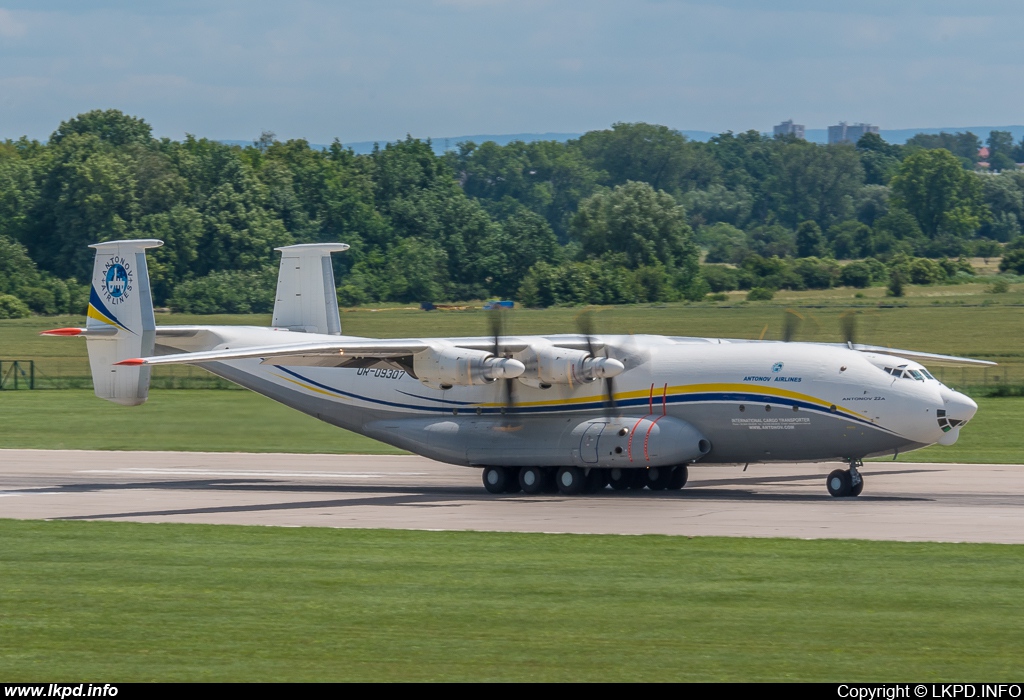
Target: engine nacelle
(445,367)
(553,365)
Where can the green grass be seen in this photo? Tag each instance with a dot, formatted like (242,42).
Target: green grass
(191,420)
(115,602)
(241,421)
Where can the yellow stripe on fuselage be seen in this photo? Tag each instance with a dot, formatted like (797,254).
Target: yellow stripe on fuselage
(685,389)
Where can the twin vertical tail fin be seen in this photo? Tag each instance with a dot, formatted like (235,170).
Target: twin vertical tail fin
(307,300)
(120,323)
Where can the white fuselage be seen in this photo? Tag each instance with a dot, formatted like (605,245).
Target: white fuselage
(678,400)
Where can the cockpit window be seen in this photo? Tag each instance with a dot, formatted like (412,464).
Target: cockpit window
(916,375)
(926,374)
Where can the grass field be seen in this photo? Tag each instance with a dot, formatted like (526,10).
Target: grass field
(191,420)
(135,602)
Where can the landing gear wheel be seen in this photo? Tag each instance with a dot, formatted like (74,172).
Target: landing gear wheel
(839,483)
(856,490)
(658,478)
(856,478)
(571,480)
(679,476)
(620,479)
(532,480)
(597,479)
(512,482)
(495,479)
(550,485)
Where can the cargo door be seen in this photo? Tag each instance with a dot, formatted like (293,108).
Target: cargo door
(588,444)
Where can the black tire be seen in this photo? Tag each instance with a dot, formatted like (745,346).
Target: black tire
(571,480)
(838,483)
(597,479)
(495,479)
(550,486)
(620,479)
(532,480)
(639,479)
(512,483)
(680,475)
(658,478)
(856,490)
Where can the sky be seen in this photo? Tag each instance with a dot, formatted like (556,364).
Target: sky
(364,70)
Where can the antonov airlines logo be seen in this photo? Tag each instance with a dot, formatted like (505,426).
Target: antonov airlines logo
(117,280)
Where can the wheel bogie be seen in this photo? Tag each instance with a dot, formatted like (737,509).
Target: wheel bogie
(495,479)
(570,480)
(533,480)
(838,483)
(680,474)
(620,479)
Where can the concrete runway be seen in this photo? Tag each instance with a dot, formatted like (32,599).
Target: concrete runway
(909,502)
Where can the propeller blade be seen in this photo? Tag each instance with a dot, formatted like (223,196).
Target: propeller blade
(848,323)
(609,385)
(790,325)
(585,327)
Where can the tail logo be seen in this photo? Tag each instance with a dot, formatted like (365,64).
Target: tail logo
(117,280)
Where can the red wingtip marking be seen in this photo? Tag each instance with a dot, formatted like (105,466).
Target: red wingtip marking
(132,362)
(63,331)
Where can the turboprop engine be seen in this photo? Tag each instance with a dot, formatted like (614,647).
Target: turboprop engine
(445,367)
(549,365)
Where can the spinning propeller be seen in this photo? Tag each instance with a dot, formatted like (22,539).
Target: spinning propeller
(497,320)
(585,326)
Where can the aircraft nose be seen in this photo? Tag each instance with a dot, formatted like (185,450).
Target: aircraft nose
(958,407)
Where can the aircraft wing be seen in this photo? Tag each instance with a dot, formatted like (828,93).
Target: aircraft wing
(329,354)
(926,357)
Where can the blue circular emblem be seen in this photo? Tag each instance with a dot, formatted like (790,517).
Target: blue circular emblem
(116,280)
(777,367)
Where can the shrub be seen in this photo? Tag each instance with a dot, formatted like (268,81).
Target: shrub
(760,294)
(234,292)
(999,287)
(856,274)
(13,307)
(720,278)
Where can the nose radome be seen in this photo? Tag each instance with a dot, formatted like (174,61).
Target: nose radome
(958,406)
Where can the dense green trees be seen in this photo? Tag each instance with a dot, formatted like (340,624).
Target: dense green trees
(618,215)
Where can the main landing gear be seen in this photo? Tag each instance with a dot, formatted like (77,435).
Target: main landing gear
(846,482)
(571,481)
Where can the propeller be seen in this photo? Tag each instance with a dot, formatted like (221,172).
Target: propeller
(790,325)
(585,326)
(848,323)
(497,320)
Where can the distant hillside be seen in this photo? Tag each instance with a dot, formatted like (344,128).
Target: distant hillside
(443,143)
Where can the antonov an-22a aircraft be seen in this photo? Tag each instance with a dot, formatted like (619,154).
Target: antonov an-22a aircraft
(572,413)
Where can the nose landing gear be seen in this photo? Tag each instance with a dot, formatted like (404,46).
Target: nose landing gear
(846,482)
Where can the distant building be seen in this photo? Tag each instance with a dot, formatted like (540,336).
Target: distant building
(849,133)
(788,128)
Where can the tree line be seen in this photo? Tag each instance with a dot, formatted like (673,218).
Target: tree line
(619,215)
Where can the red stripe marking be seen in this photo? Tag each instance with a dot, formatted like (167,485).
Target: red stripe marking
(629,443)
(650,401)
(647,437)
(133,362)
(664,401)
(63,331)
